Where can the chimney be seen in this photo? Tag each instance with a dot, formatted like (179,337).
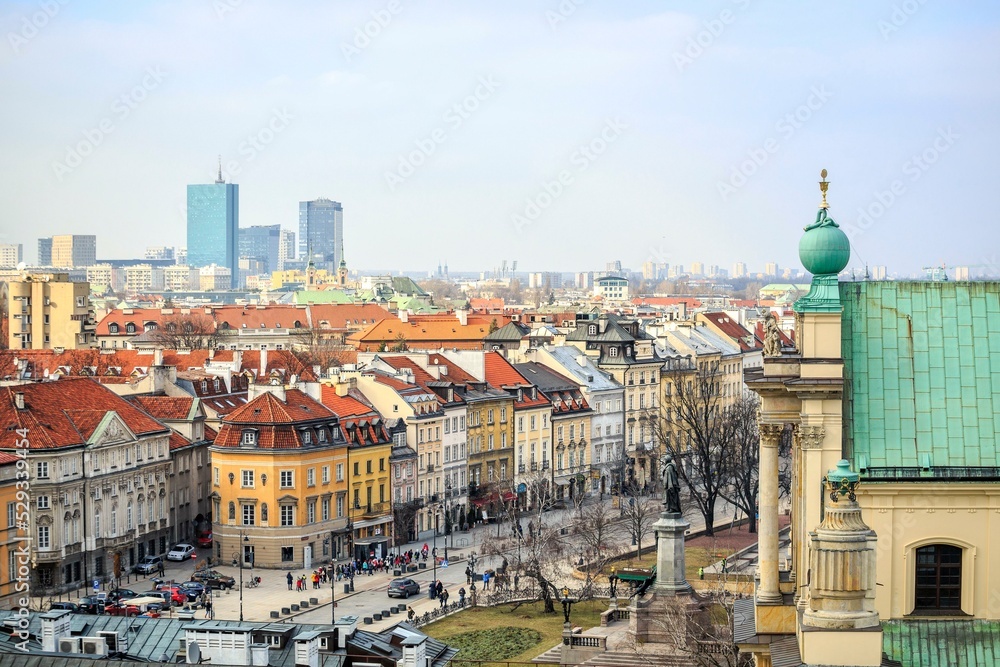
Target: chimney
(403,315)
(581,360)
(55,626)
(602,324)
(263,362)
(414,651)
(463,316)
(19,400)
(158,357)
(237,361)
(345,626)
(258,655)
(307,650)
(211,353)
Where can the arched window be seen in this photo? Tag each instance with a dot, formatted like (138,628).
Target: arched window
(232,511)
(938,578)
(263,512)
(130,328)
(113,328)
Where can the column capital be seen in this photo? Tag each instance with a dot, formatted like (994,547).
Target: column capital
(770,433)
(810,436)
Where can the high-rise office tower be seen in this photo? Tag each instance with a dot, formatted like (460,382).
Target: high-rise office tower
(739,269)
(262,243)
(213,221)
(286,248)
(45,252)
(73,250)
(11,254)
(321,233)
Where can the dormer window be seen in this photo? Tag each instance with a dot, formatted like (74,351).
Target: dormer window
(113,328)
(321,433)
(130,328)
(216,383)
(204,385)
(592,330)
(249,438)
(613,352)
(307,437)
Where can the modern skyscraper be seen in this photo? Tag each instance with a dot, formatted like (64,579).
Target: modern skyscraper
(73,250)
(45,252)
(213,221)
(739,269)
(11,254)
(262,243)
(321,233)
(286,248)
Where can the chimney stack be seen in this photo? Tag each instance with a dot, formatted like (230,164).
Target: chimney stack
(463,316)
(19,400)
(55,626)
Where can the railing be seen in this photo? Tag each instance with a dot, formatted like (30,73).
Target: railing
(589,641)
(534,466)
(375,509)
(932,473)
(430,467)
(520,467)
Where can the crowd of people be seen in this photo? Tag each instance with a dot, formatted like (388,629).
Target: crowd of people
(356,568)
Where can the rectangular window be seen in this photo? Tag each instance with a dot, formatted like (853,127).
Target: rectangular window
(326,474)
(368,467)
(215,475)
(311,511)
(340,472)
(43,502)
(288,515)
(325,509)
(11,515)
(249,514)
(311,477)
(246,477)
(357,469)
(42,470)
(381,465)
(340,506)
(286,479)
(43,537)
(490,442)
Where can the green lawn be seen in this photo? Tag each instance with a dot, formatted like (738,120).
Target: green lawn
(585,614)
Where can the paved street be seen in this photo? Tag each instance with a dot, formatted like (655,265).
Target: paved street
(369,595)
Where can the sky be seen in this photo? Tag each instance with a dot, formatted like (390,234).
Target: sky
(562,134)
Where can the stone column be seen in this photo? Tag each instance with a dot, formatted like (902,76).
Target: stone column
(767,544)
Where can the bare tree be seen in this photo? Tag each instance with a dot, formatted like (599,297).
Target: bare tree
(694,429)
(187,331)
(598,529)
(640,512)
(744,448)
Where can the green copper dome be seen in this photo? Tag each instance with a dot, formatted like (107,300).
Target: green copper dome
(824,249)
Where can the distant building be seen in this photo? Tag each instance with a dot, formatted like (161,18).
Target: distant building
(48,311)
(614,267)
(159,252)
(611,288)
(286,248)
(771,269)
(697,269)
(321,233)
(262,243)
(106,274)
(11,254)
(213,220)
(740,270)
(181,278)
(961,273)
(214,278)
(74,250)
(181,256)
(649,270)
(45,251)
(143,278)
(584,280)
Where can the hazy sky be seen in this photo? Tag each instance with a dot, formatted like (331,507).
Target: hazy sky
(559,134)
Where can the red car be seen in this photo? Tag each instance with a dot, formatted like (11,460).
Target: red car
(177,594)
(121,610)
(204,541)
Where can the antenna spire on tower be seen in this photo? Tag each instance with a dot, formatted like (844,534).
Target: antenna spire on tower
(219,179)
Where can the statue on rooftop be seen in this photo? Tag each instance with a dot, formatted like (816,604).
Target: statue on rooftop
(772,336)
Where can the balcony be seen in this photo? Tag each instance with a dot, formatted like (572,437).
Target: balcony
(520,467)
(430,467)
(50,556)
(534,466)
(545,465)
(373,510)
(434,497)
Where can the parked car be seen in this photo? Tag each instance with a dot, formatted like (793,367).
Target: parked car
(181,552)
(194,589)
(403,587)
(149,564)
(69,606)
(166,596)
(204,541)
(116,594)
(91,605)
(177,594)
(213,579)
(119,609)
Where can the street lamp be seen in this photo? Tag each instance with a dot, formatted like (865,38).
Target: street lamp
(448,521)
(240,557)
(567,603)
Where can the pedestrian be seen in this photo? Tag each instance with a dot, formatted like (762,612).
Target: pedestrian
(208,608)
(159,567)
(468,575)
(288,578)
(516,580)
(444,598)
(410,614)
(461,596)
(486,580)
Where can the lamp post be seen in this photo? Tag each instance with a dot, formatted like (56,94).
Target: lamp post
(448,521)
(437,513)
(567,603)
(237,556)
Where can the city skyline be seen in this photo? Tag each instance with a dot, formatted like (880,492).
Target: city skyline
(560,130)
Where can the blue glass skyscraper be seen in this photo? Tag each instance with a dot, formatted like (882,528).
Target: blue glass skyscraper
(321,233)
(213,222)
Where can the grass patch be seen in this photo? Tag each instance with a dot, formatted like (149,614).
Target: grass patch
(529,616)
(496,643)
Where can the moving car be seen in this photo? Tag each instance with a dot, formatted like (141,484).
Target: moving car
(205,540)
(181,552)
(166,597)
(71,606)
(91,605)
(149,564)
(177,594)
(213,579)
(194,589)
(403,587)
(116,594)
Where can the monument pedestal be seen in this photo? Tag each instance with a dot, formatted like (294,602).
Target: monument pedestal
(664,613)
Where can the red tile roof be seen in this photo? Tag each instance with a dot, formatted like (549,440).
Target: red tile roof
(455,373)
(429,331)
(177,441)
(54,418)
(420,376)
(344,316)
(269,409)
(666,301)
(165,407)
(501,374)
(733,330)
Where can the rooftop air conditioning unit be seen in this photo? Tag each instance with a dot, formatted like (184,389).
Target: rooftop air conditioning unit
(69,645)
(94,645)
(116,643)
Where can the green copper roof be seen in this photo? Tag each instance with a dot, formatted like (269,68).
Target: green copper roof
(945,643)
(922,374)
(321,296)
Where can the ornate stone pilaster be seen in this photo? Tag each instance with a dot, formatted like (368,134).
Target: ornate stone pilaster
(770,437)
(810,437)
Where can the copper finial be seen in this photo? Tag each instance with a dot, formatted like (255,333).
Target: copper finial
(823,185)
